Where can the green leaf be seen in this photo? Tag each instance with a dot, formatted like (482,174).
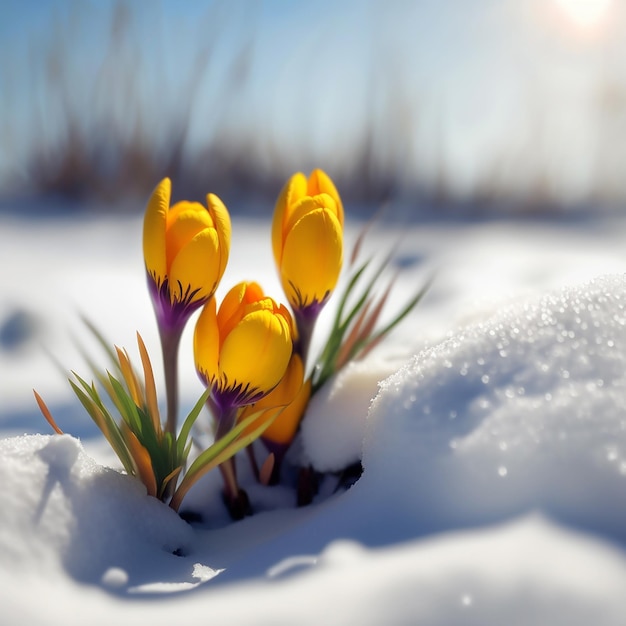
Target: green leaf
(376,337)
(223,449)
(106,424)
(181,444)
(326,365)
(326,360)
(366,292)
(353,333)
(349,288)
(126,406)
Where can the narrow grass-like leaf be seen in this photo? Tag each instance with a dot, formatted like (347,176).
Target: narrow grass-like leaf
(107,425)
(46,413)
(327,363)
(104,379)
(181,442)
(346,349)
(163,487)
(129,376)
(141,458)
(91,392)
(366,292)
(346,295)
(162,450)
(149,385)
(223,449)
(379,335)
(335,337)
(362,330)
(128,408)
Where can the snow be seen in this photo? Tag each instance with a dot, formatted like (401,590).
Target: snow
(491,425)
(525,408)
(332,437)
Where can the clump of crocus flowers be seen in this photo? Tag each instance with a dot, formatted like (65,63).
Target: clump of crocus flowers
(251,352)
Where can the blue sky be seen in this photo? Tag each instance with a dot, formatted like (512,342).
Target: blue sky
(514,91)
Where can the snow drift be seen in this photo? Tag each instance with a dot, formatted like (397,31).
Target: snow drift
(493,492)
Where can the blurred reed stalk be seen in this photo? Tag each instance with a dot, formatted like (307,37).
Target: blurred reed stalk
(112,133)
(107,126)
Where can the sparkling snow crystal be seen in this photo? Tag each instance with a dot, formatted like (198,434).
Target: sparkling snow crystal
(524,410)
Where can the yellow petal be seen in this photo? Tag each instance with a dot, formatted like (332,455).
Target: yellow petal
(283,429)
(185,220)
(294,189)
(154,226)
(308,204)
(312,258)
(257,351)
(221,220)
(293,329)
(286,390)
(232,309)
(196,268)
(320,182)
(291,396)
(206,342)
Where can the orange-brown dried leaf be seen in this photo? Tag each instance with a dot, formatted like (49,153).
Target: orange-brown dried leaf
(46,413)
(141,458)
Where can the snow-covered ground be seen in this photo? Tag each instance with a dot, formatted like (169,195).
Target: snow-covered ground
(491,424)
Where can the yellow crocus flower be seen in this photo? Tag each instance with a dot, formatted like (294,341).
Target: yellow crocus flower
(185,249)
(307,239)
(242,350)
(288,400)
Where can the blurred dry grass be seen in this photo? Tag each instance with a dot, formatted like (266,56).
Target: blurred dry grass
(108,129)
(115,132)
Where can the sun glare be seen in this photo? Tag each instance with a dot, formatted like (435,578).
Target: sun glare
(585,13)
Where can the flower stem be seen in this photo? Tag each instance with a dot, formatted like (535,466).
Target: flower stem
(235,498)
(225,417)
(170,341)
(305,323)
(307,486)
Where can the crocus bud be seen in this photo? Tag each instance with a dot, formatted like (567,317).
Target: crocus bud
(185,249)
(290,397)
(307,239)
(242,351)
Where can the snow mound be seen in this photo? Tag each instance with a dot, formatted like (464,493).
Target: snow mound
(526,572)
(63,512)
(333,428)
(523,411)
(485,456)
